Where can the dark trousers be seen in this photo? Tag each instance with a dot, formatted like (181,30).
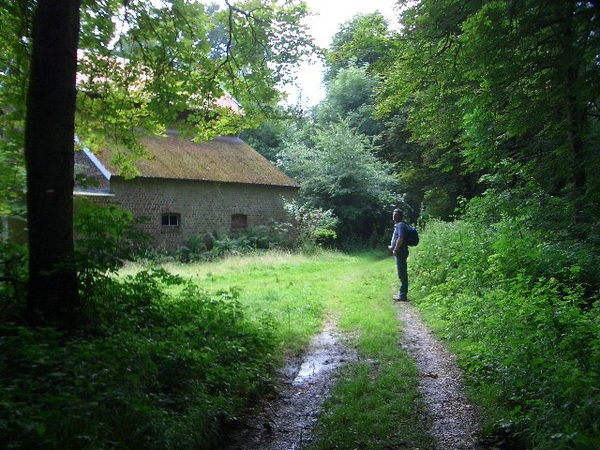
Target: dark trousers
(402,266)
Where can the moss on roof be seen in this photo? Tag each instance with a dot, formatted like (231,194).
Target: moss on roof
(223,159)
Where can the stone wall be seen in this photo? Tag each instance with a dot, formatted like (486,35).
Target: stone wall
(201,207)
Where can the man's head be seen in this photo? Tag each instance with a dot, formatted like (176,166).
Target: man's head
(397,215)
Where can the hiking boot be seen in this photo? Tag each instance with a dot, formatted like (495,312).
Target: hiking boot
(400,298)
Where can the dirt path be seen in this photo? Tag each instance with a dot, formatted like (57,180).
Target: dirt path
(454,420)
(286,422)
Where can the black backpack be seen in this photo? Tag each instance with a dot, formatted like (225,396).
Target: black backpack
(412,236)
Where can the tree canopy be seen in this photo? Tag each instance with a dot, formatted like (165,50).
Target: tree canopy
(508,87)
(116,68)
(338,170)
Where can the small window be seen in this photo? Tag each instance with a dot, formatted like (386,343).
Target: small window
(170,220)
(239,221)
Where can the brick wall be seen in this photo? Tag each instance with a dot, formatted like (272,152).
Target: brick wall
(203,207)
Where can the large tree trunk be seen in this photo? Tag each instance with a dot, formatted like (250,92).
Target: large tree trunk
(49,152)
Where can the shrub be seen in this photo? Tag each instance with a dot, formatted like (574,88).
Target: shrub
(314,226)
(105,238)
(524,304)
(13,276)
(194,249)
(166,367)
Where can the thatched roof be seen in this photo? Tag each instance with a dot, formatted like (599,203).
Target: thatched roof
(223,159)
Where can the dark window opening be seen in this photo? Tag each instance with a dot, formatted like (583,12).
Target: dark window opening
(239,221)
(170,220)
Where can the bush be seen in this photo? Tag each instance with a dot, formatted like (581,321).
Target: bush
(523,302)
(166,366)
(105,238)
(194,249)
(314,226)
(13,276)
(210,246)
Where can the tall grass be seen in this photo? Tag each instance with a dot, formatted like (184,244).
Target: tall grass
(289,288)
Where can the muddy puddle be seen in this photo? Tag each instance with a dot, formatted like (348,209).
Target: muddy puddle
(287,421)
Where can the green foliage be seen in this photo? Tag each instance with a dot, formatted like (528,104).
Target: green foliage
(324,238)
(363,41)
(212,246)
(314,226)
(105,239)
(500,87)
(340,172)
(274,235)
(175,59)
(268,138)
(350,98)
(15,18)
(13,278)
(166,372)
(521,305)
(194,248)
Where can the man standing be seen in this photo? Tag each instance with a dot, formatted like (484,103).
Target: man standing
(399,249)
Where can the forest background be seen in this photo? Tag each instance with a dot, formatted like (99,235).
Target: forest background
(479,119)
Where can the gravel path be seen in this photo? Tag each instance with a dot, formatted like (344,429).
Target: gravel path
(455,423)
(286,422)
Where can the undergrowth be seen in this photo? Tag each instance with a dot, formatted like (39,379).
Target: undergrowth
(520,306)
(153,370)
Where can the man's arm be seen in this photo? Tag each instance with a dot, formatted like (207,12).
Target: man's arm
(400,238)
(399,243)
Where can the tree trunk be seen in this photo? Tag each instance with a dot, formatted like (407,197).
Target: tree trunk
(49,153)
(575,110)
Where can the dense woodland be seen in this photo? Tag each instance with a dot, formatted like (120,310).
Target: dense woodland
(479,118)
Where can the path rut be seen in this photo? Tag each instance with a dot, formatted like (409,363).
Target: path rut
(455,422)
(286,422)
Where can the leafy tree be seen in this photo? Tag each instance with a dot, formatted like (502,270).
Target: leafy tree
(350,97)
(357,61)
(507,88)
(313,226)
(167,71)
(432,183)
(339,172)
(271,135)
(361,41)
(15,17)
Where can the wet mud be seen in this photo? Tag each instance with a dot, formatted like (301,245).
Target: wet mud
(286,422)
